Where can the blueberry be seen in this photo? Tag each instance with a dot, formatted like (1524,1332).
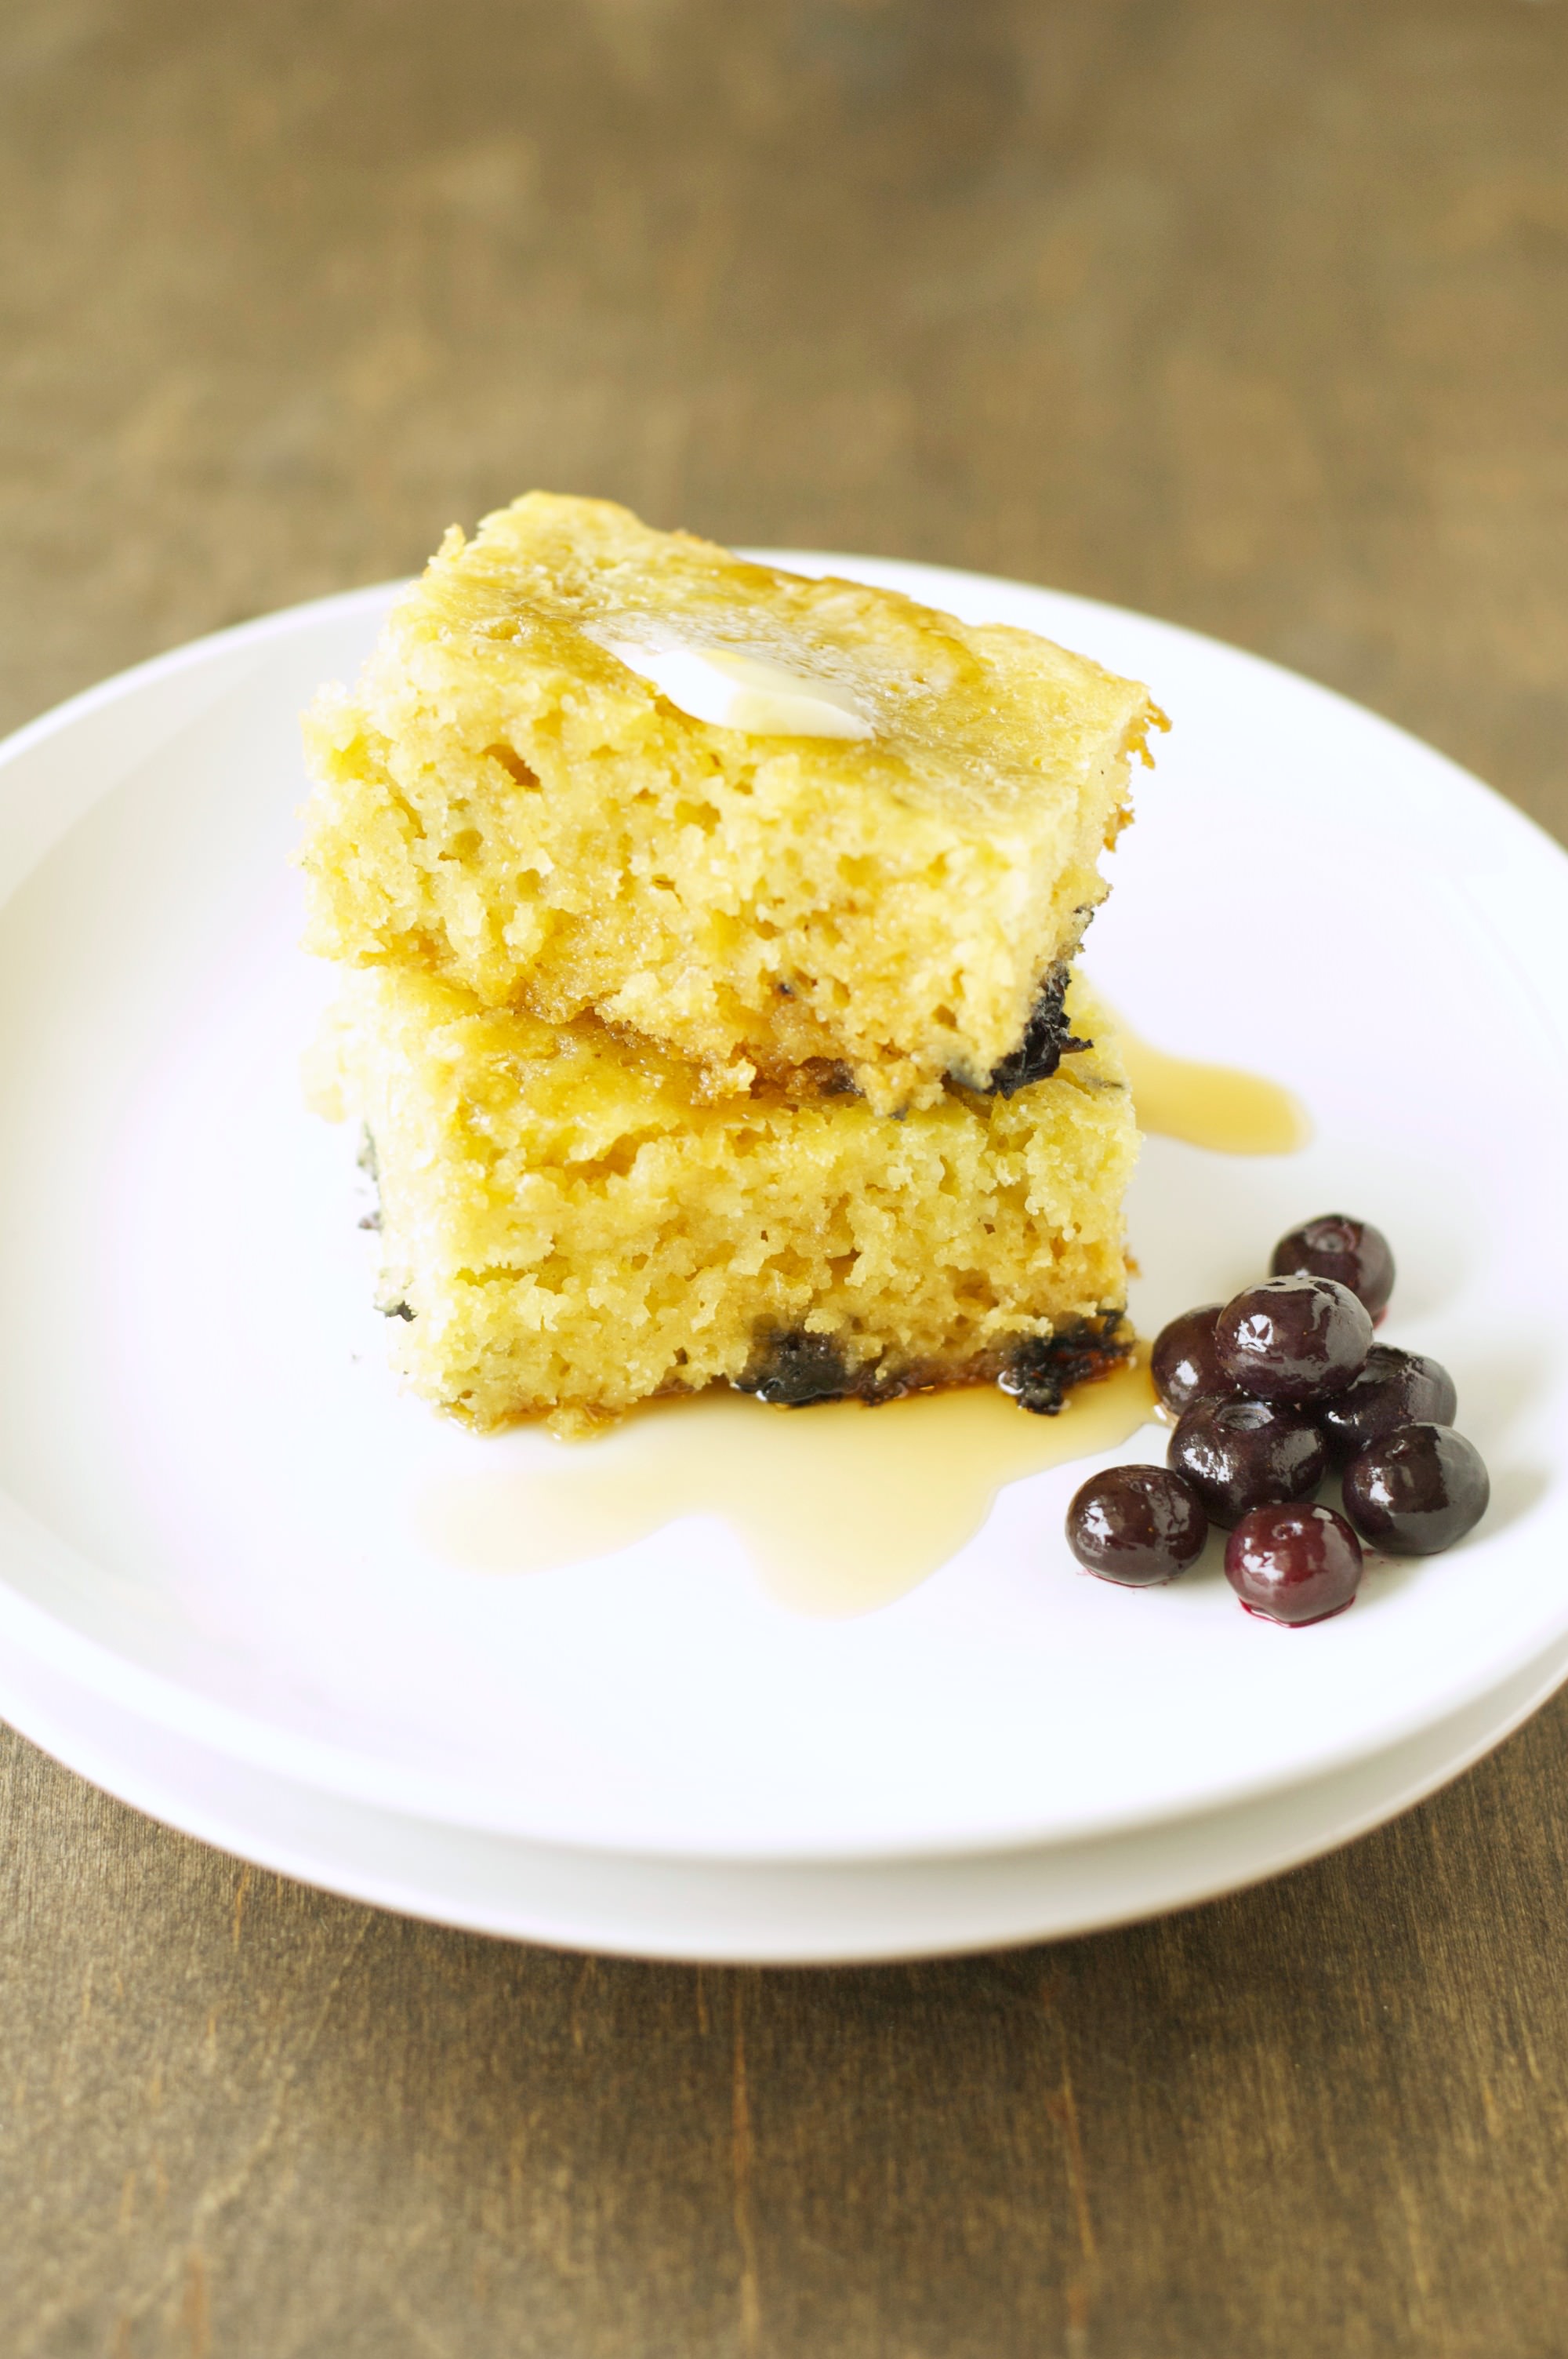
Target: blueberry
(1136,1524)
(1416,1490)
(1046,1040)
(1393,1388)
(1042,1370)
(1183,1363)
(1239,1454)
(789,1370)
(1335,1245)
(1294,1564)
(1294,1339)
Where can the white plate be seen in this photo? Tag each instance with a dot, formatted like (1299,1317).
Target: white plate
(751,1913)
(208,1485)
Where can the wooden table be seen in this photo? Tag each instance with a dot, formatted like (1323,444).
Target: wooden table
(1250,313)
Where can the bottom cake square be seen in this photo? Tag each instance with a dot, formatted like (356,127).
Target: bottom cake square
(568,1227)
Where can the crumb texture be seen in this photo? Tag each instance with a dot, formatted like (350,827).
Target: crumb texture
(569,1224)
(503,804)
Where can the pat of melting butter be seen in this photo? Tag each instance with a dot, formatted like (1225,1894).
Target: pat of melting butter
(741,691)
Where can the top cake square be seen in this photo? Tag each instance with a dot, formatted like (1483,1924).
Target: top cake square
(870,871)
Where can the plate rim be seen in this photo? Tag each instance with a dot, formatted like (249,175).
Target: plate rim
(1333,1819)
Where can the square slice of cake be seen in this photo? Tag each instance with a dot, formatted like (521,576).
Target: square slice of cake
(569,1225)
(796,830)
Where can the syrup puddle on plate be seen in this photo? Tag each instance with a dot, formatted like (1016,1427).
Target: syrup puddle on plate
(1217,1107)
(841,1507)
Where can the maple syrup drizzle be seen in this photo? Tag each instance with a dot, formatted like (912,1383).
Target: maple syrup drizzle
(841,1508)
(1217,1107)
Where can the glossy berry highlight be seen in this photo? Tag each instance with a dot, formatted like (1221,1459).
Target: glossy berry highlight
(1183,1363)
(1294,1564)
(1418,1490)
(1393,1388)
(1294,1340)
(1241,1454)
(1139,1525)
(1338,1247)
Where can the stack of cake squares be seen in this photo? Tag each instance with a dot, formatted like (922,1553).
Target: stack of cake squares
(709,1005)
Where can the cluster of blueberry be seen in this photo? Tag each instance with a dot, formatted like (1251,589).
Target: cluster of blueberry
(1269,1391)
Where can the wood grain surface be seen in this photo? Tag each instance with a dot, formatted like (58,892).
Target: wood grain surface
(1250,313)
